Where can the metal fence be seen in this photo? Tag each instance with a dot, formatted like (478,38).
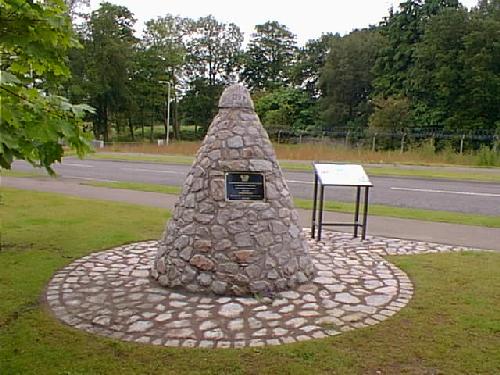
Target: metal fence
(369,139)
(380,140)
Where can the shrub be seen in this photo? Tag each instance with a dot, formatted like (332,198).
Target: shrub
(486,157)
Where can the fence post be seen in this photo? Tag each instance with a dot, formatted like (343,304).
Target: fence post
(403,143)
(346,142)
(279,136)
(462,144)
(300,137)
(373,142)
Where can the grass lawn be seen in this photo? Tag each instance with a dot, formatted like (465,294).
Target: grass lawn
(451,326)
(336,206)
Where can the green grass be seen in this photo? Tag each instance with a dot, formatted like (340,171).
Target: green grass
(307,167)
(409,213)
(155,188)
(336,206)
(170,159)
(12,173)
(451,326)
(49,216)
(432,174)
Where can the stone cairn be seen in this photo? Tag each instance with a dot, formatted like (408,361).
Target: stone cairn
(233,247)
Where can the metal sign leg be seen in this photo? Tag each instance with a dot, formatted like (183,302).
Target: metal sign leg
(320,218)
(356,212)
(365,214)
(315,198)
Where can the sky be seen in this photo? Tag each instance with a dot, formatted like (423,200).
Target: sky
(306,19)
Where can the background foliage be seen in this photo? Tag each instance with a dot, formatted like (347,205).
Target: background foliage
(429,67)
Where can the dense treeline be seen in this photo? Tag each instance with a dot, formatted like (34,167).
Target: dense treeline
(440,67)
(430,64)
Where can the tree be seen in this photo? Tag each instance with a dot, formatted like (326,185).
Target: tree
(162,58)
(214,51)
(403,30)
(146,92)
(269,57)
(212,61)
(34,121)
(438,81)
(199,104)
(481,57)
(285,108)
(311,58)
(346,79)
(421,62)
(110,44)
(391,115)
(445,61)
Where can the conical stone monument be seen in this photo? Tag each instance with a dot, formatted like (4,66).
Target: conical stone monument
(234,230)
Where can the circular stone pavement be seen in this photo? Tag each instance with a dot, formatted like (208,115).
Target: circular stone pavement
(110,293)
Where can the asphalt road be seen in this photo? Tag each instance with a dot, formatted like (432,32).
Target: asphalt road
(470,197)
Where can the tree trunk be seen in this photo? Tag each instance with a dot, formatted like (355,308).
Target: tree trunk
(98,124)
(105,124)
(131,128)
(151,129)
(118,125)
(142,121)
(95,128)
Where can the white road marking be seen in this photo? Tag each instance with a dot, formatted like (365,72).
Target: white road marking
(90,179)
(78,165)
(448,192)
(174,172)
(300,182)
(149,170)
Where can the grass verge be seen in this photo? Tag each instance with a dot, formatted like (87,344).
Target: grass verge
(12,173)
(409,213)
(417,154)
(430,173)
(336,206)
(153,158)
(451,326)
(138,186)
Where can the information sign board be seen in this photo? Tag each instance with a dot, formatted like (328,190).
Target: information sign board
(342,175)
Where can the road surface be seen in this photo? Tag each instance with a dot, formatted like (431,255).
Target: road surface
(459,196)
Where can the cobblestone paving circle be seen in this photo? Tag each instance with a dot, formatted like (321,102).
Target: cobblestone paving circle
(110,293)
